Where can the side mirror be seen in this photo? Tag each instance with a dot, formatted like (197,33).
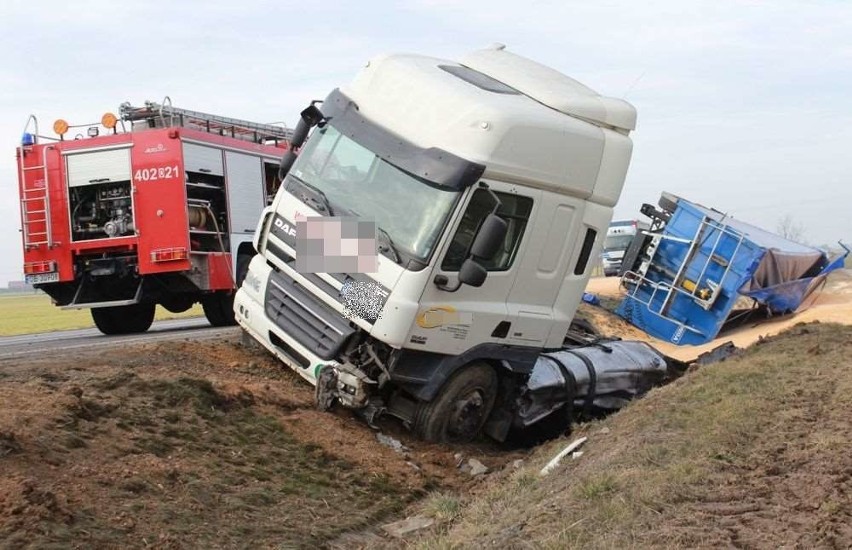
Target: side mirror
(487,242)
(312,115)
(471,273)
(490,237)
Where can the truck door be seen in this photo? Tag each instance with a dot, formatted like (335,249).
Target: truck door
(452,322)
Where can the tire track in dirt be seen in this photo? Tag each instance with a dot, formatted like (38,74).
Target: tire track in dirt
(788,489)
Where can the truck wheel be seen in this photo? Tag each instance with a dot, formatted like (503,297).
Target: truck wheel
(124,319)
(219,306)
(178,304)
(460,410)
(243,261)
(219,309)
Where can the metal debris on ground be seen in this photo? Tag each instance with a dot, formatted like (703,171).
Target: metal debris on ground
(459,458)
(554,462)
(392,443)
(408,525)
(717,354)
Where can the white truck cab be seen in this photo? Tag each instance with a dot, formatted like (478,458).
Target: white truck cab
(491,182)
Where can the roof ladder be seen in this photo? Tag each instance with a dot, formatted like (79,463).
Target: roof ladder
(165,115)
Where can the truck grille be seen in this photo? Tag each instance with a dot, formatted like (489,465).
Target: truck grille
(309,321)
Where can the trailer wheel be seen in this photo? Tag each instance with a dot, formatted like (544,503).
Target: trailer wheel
(460,410)
(219,309)
(124,319)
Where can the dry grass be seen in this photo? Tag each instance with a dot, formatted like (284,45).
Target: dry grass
(32,313)
(753,451)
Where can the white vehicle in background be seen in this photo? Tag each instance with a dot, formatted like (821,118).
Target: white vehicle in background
(491,182)
(619,235)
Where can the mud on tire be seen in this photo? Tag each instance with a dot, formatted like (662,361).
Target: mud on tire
(461,408)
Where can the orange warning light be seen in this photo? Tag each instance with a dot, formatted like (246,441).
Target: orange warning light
(109,120)
(60,127)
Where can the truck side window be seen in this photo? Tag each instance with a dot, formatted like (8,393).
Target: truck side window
(515,210)
(586,251)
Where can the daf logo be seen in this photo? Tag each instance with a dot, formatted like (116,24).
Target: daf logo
(285,227)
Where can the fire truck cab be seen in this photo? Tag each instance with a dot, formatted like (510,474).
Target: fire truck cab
(158,209)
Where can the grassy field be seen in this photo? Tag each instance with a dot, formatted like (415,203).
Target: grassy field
(32,313)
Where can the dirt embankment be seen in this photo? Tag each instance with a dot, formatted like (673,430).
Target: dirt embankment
(187,445)
(753,452)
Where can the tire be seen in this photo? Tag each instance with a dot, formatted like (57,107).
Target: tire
(243,261)
(461,408)
(179,303)
(219,309)
(124,319)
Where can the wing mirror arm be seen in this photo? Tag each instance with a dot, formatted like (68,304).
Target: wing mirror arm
(308,118)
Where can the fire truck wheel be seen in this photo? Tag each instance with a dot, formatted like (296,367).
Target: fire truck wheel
(243,261)
(219,309)
(460,410)
(124,319)
(178,304)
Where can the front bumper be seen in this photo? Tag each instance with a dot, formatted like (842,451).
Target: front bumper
(250,312)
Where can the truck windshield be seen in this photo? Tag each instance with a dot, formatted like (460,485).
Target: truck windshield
(617,242)
(356,181)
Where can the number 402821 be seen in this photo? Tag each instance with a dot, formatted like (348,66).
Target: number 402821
(158,173)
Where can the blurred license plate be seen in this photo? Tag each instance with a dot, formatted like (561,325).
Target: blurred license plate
(37,278)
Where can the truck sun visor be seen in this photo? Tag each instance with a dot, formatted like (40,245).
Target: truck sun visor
(432,164)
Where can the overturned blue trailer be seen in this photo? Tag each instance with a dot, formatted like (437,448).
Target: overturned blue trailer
(697,269)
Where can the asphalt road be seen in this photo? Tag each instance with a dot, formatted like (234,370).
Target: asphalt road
(69,340)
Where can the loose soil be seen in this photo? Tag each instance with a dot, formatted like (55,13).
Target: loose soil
(178,444)
(217,445)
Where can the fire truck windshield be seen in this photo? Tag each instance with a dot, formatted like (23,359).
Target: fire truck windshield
(355,180)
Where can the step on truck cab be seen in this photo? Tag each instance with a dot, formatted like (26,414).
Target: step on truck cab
(157,206)
(488,185)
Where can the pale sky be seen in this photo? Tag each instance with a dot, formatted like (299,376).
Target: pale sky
(743,106)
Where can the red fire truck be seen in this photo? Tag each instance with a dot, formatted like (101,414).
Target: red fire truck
(155,206)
